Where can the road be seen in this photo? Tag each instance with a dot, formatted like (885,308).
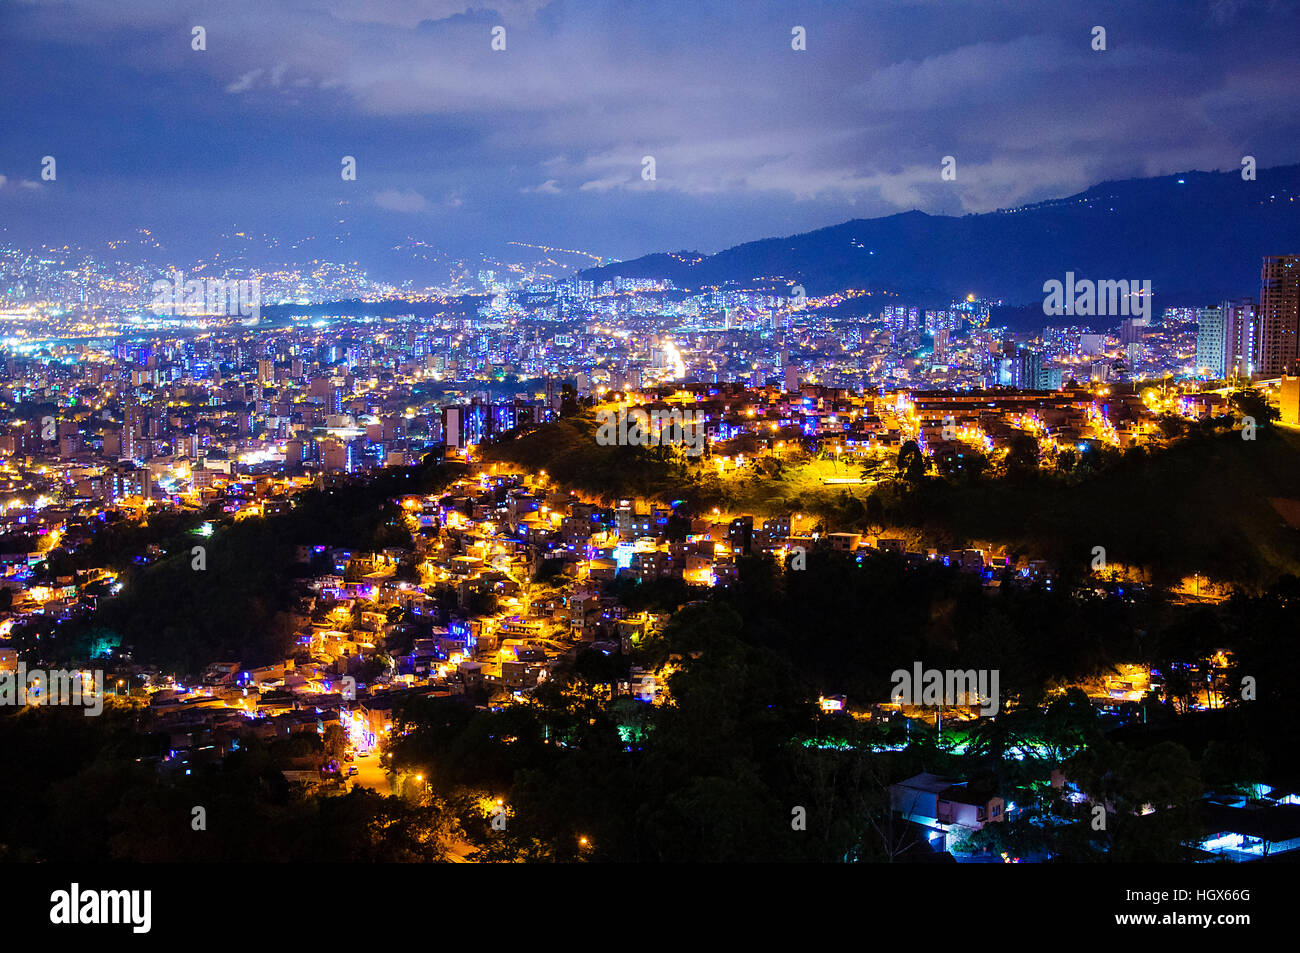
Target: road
(371,775)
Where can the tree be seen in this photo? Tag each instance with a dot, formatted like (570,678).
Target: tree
(1251,403)
(911,464)
(336,743)
(569,401)
(1022,456)
(1233,766)
(1171,425)
(677,528)
(408,570)
(875,513)
(375,666)
(1155,793)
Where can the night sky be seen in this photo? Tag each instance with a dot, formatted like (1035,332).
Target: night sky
(466,148)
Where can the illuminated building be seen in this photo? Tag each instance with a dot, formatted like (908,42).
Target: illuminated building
(1239,336)
(1279,314)
(1211,338)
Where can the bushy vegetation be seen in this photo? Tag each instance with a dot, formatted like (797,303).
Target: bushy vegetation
(1201,505)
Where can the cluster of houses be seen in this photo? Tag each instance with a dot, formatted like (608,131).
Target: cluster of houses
(944,812)
(506,580)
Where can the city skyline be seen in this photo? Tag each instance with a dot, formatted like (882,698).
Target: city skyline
(589,432)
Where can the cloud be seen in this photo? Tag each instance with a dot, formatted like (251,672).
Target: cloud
(739,123)
(11,184)
(605,184)
(549,187)
(401,201)
(245,82)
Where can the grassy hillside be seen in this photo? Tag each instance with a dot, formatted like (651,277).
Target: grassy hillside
(567,450)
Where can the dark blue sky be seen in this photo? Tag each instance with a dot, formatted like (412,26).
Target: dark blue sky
(466,148)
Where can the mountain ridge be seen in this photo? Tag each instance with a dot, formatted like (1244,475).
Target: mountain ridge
(1198,236)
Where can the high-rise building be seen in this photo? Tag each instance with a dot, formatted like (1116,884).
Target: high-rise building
(126,480)
(1027,369)
(133,432)
(1239,334)
(1279,314)
(340,455)
(791,379)
(941,345)
(1091,345)
(1210,343)
(1132,330)
(451,426)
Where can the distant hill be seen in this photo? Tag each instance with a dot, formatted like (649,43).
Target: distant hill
(1198,236)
